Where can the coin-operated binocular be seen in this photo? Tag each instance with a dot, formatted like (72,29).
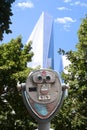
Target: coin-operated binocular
(43,94)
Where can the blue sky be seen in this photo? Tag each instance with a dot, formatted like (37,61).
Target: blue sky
(67,15)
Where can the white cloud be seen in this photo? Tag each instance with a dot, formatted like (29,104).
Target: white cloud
(67,27)
(27,4)
(63,8)
(65,20)
(79,3)
(66,1)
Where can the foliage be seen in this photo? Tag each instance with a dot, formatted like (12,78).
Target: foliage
(5,13)
(73,115)
(13,67)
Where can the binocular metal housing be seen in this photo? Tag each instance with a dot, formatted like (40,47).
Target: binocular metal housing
(43,94)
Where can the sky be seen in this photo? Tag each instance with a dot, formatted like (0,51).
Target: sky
(67,16)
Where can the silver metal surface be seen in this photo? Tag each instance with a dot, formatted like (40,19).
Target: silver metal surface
(44,126)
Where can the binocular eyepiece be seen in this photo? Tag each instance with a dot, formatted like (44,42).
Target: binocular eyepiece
(47,78)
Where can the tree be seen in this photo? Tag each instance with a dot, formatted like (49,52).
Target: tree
(5,13)
(13,67)
(73,115)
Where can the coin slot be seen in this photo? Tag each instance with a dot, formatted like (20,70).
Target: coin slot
(33,89)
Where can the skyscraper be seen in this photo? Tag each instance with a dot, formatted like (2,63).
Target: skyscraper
(43,42)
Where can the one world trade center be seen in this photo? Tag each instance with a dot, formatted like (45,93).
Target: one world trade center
(42,43)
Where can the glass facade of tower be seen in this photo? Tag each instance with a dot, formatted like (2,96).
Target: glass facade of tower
(43,42)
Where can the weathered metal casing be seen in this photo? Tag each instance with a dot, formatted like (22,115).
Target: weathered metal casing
(43,94)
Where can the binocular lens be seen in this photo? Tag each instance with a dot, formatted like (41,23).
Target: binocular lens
(39,78)
(48,78)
